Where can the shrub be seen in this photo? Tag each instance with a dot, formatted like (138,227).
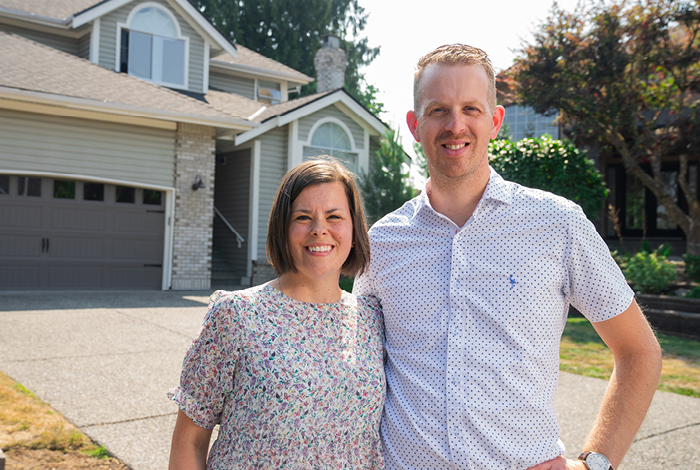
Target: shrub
(692,266)
(694,293)
(650,272)
(551,165)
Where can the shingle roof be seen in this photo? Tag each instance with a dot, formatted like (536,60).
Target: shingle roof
(239,104)
(287,106)
(249,58)
(59,9)
(29,66)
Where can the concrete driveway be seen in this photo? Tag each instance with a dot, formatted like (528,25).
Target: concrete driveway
(105,360)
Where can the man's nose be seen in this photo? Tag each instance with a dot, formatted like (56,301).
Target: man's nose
(456,123)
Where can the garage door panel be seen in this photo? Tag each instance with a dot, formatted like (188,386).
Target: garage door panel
(137,278)
(77,247)
(124,249)
(148,222)
(20,215)
(20,244)
(76,277)
(24,276)
(78,218)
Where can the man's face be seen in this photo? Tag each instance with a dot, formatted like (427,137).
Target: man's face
(454,123)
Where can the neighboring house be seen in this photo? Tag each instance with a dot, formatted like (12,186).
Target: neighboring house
(640,216)
(126,125)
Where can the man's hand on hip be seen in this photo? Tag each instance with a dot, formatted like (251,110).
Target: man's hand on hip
(560,463)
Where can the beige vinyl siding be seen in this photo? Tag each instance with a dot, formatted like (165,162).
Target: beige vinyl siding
(64,44)
(84,47)
(109,42)
(232,84)
(108,36)
(273,166)
(32,142)
(307,122)
(231,196)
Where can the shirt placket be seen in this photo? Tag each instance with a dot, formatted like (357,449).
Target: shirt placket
(455,387)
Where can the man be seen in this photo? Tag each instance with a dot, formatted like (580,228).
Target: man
(475,277)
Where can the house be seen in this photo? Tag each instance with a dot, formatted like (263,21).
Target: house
(139,149)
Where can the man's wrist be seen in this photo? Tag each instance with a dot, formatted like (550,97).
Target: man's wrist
(595,461)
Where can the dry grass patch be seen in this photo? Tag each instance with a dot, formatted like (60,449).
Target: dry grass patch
(583,352)
(33,435)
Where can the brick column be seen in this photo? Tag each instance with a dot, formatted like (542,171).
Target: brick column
(194,210)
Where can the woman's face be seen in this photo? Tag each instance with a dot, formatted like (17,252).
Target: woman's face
(320,231)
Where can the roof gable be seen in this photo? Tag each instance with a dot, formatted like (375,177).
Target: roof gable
(41,72)
(255,63)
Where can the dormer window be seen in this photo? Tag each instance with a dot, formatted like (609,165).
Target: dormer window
(269,92)
(152,47)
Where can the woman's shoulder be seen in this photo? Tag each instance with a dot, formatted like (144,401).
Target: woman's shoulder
(233,304)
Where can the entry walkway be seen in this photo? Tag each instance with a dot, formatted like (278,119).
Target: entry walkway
(105,360)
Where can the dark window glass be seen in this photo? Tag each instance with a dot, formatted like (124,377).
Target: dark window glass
(126,194)
(93,192)
(29,186)
(4,185)
(63,189)
(152,197)
(124,55)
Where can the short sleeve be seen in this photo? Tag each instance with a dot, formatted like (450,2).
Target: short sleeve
(363,284)
(596,286)
(208,368)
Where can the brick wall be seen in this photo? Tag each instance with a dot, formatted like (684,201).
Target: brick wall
(194,210)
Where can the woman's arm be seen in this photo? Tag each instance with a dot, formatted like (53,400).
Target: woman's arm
(190,445)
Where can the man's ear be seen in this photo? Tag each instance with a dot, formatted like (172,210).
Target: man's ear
(412,122)
(498,115)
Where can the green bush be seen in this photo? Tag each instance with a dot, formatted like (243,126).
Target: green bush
(694,293)
(650,272)
(551,165)
(692,266)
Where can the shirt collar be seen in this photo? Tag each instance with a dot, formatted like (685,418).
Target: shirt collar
(496,189)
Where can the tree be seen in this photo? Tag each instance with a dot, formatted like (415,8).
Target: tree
(625,76)
(386,186)
(551,165)
(421,160)
(290,32)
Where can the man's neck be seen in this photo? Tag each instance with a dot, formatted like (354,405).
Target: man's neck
(457,200)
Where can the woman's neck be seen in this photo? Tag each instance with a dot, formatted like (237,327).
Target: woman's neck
(318,291)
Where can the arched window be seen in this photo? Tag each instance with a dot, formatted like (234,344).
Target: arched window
(151,47)
(330,139)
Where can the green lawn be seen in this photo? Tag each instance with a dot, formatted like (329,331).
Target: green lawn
(583,352)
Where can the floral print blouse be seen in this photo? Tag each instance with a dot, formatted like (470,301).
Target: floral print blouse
(293,385)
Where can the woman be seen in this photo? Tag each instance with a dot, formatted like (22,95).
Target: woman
(291,370)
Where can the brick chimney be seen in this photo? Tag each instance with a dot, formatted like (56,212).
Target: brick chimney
(330,63)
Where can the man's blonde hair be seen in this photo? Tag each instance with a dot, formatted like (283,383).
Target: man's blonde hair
(455,54)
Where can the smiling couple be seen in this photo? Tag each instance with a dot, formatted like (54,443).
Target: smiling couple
(456,319)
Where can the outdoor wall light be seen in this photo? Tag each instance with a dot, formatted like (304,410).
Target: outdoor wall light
(197,183)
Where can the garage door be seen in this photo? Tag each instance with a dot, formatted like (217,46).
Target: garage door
(67,234)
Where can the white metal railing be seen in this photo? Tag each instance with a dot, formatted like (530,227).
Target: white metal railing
(239,238)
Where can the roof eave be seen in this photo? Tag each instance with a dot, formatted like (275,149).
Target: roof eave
(124,109)
(301,78)
(36,19)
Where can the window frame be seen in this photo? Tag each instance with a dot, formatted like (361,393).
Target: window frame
(330,120)
(121,27)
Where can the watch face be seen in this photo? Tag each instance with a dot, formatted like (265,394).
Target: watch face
(597,461)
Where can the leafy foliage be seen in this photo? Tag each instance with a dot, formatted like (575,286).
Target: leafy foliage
(421,162)
(625,75)
(650,272)
(551,165)
(291,31)
(386,186)
(692,266)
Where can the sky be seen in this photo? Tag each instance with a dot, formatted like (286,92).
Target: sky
(408,29)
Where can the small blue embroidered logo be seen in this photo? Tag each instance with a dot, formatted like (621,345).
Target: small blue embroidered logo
(513,282)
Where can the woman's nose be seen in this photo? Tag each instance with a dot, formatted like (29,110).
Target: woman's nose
(318,227)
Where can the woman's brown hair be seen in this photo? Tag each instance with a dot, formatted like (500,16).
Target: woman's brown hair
(326,170)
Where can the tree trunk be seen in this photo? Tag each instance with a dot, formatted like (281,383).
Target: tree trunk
(692,244)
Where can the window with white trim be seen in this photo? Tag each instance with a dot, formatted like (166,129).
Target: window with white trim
(330,139)
(269,92)
(151,48)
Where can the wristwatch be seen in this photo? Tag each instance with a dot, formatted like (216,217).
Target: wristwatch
(595,461)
